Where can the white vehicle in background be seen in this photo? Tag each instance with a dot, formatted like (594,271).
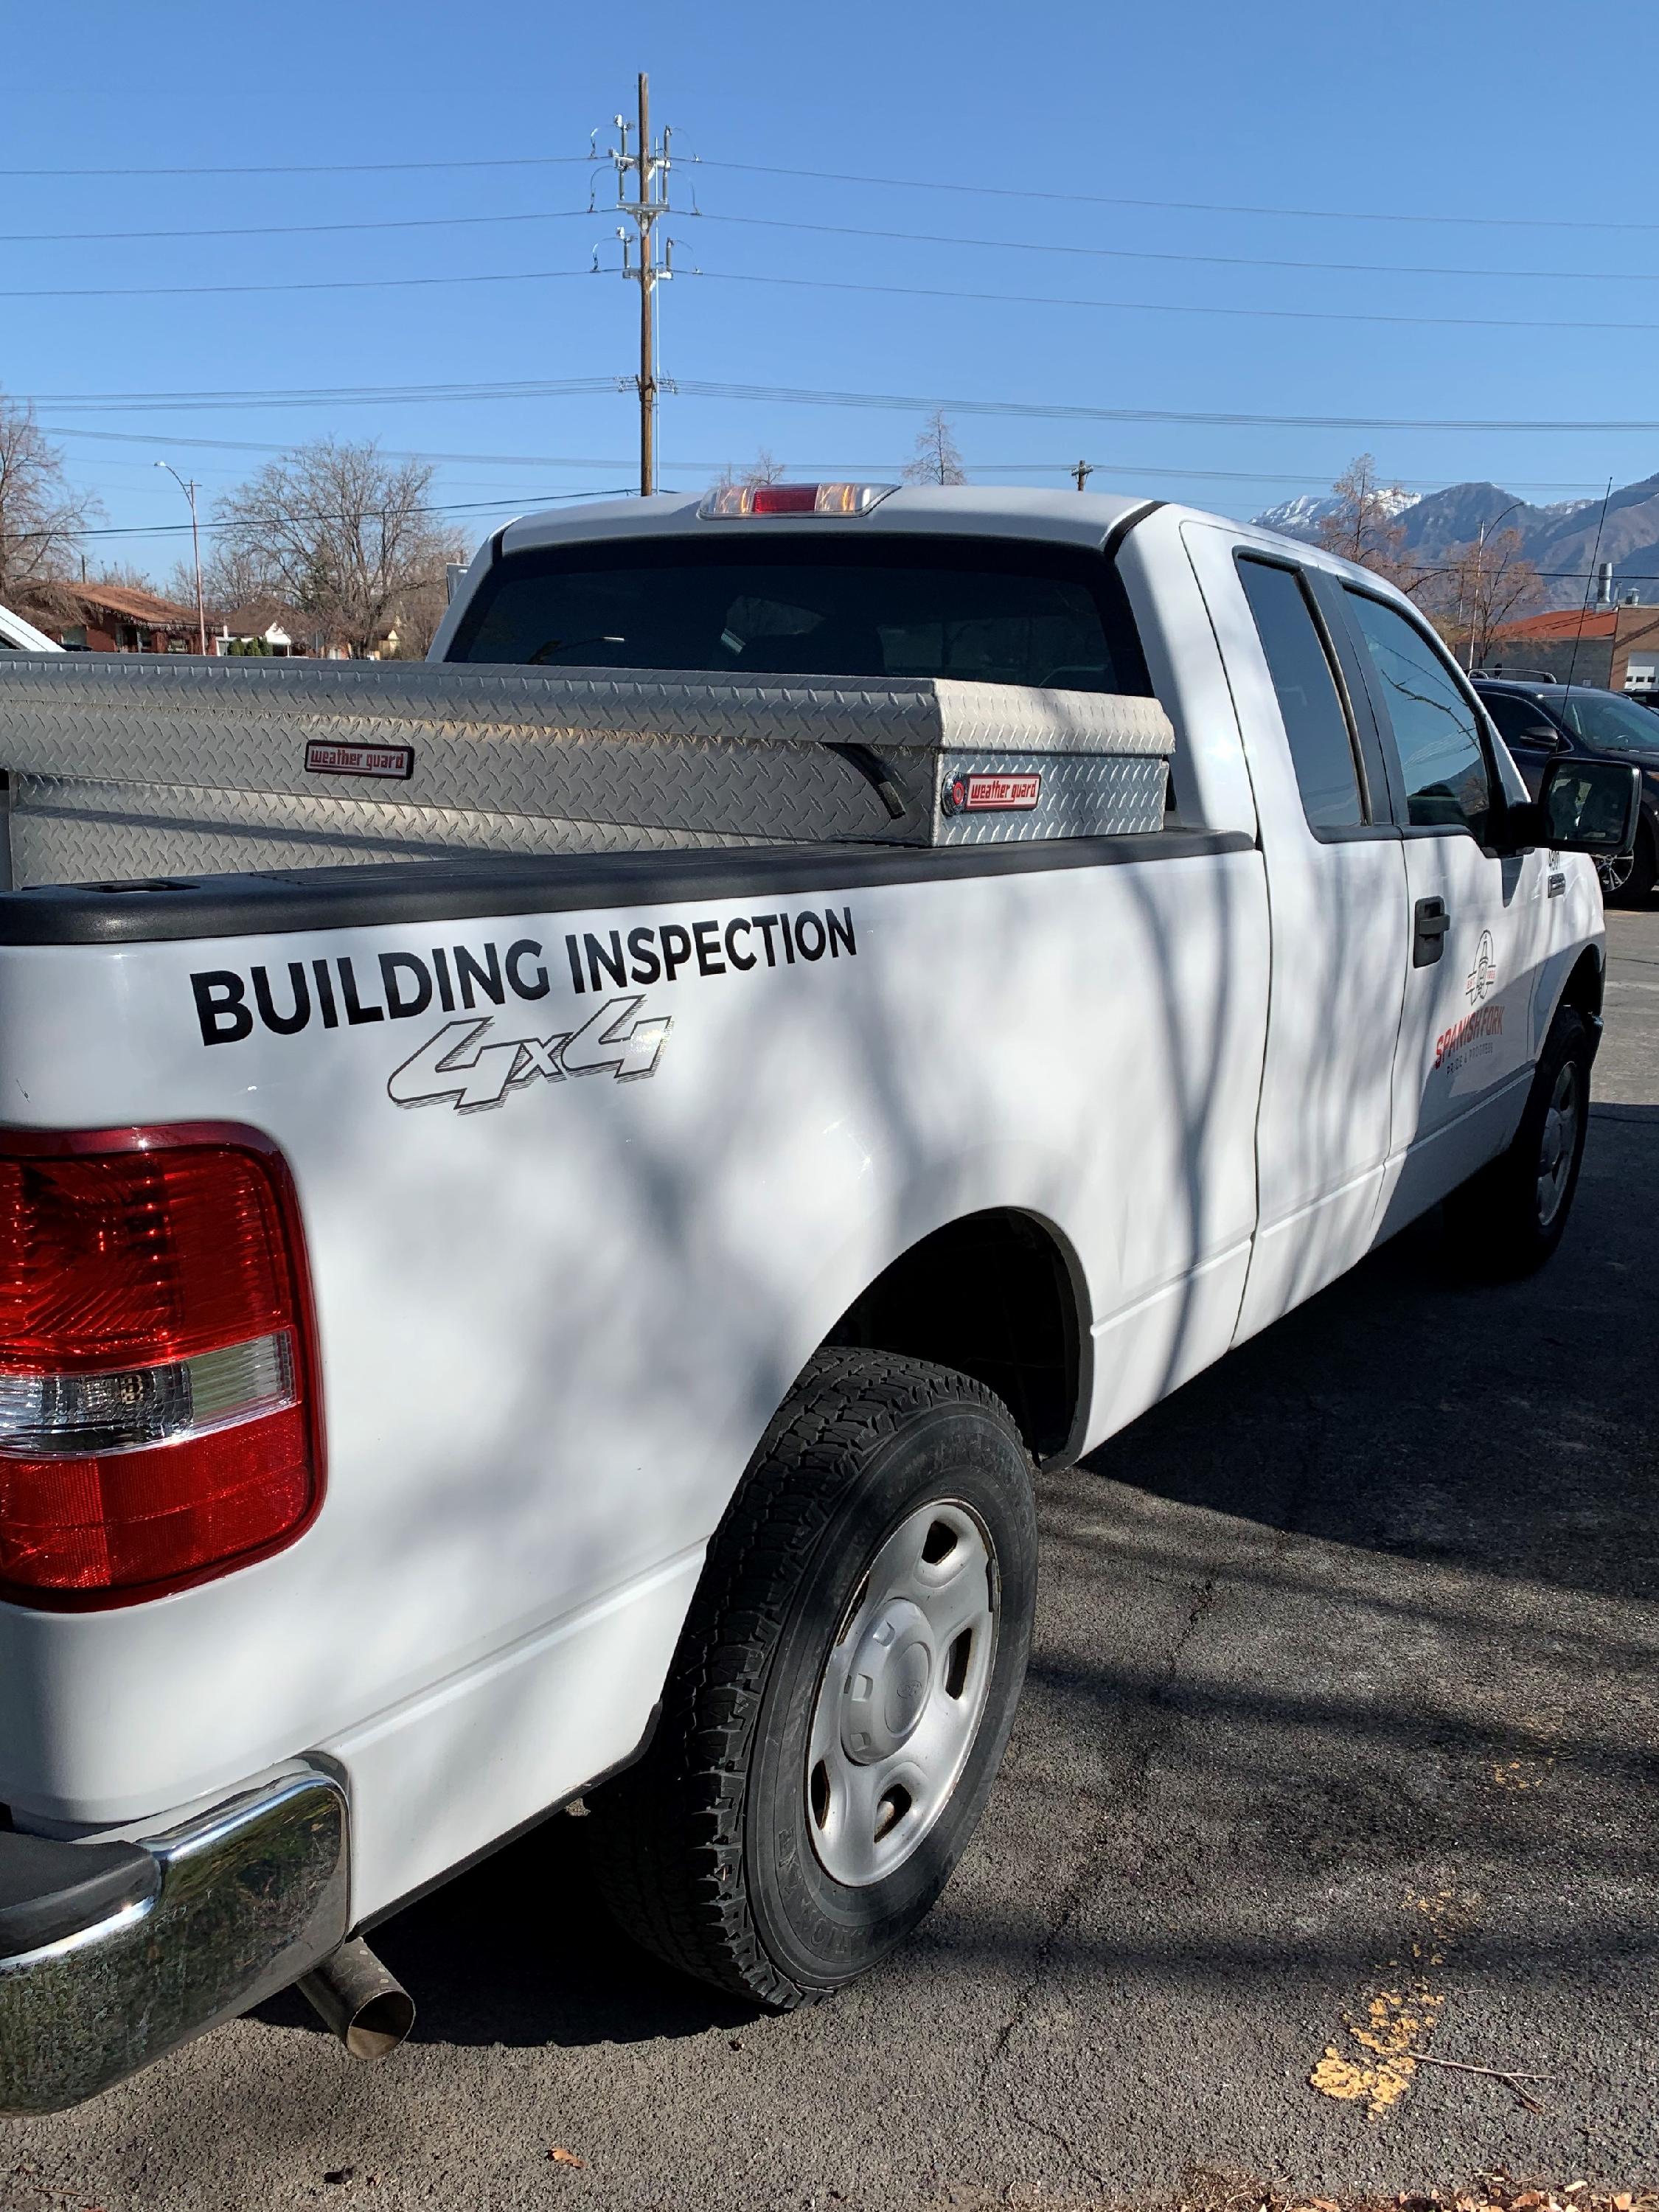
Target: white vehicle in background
(18,636)
(841,998)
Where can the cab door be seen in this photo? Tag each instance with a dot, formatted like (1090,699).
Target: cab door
(1476,920)
(1336,894)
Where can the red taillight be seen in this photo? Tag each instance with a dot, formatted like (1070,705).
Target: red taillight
(158,1413)
(728,503)
(785,499)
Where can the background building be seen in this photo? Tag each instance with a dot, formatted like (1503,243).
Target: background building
(1616,647)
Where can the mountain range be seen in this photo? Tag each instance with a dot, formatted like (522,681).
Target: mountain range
(1559,540)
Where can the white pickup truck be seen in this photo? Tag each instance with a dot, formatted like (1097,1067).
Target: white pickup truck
(549,1220)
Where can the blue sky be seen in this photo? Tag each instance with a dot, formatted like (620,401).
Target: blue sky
(1400,113)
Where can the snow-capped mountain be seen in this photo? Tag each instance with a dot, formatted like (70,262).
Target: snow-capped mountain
(1301,516)
(1562,540)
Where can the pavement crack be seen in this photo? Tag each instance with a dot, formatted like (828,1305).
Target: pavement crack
(1059,2136)
(1087,1879)
(1204,1601)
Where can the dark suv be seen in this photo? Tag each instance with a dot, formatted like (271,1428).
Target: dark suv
(1539,721)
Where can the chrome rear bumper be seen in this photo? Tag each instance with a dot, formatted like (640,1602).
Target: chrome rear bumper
(111,1954)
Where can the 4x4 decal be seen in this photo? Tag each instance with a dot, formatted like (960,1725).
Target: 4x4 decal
(456,1064)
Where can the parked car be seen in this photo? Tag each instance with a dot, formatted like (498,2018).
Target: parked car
(576,1303)
(1540,721)
(18,636)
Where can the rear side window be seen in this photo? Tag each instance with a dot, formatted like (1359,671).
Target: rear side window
(1448,784)
(1304,683)
(986,611)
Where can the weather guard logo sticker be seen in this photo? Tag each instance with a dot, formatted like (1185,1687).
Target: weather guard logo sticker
(978,794)
(324,758)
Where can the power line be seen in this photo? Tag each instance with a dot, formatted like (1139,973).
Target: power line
(1206,260)
(451,506)
(1309,476)
(327,395)
(286,444)
(471,390)
(289,229)
(844,177)
(1167,307)
(1184,207)
(321,168)
(834,284)
(847,230)
(303,284)
(1228,419)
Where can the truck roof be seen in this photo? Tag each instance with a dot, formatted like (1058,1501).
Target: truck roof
(1064,518)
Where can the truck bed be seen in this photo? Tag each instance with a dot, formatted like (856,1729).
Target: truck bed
(121,768)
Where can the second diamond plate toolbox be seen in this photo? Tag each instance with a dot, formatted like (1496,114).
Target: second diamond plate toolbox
(121,766)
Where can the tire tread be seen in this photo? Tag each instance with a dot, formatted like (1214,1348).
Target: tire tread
(666,1838)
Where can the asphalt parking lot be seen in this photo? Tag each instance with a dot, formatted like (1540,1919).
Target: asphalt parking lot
(1341,1744)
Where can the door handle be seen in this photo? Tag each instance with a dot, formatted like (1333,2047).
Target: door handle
(1429,922)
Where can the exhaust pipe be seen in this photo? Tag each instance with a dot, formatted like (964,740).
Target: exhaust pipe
(368,2009)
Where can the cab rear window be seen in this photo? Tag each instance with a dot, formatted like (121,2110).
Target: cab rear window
(987,613)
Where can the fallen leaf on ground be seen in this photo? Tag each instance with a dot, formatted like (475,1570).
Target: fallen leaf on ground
(560,2156)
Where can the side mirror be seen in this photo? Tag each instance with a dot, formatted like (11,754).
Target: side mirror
(1582,806)
(1545,734)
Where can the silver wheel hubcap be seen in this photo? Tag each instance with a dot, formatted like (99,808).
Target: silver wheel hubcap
(1617,871)
(1560,1136)
(903,1693)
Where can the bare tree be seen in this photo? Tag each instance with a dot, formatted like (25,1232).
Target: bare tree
(937,459)
(1363,527)
(764,469)
(338,531)
(418,612)
(41,519)
(127,576)
(233,571)
(1479,587)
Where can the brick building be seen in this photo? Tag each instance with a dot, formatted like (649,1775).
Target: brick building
(1616,647)
(110,618)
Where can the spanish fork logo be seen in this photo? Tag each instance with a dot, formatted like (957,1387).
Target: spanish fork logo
(1483,977)
(1470,1036)
(458,1065)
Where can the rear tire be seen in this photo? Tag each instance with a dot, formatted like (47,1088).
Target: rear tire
(843,1688)
(1508,1220)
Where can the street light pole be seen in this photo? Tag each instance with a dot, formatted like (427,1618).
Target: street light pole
(189,490)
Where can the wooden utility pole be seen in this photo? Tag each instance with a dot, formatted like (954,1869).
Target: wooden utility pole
(643,196)
(1082,470)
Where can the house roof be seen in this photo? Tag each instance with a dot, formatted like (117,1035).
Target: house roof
(144,608)
(1566,623)
(255,617)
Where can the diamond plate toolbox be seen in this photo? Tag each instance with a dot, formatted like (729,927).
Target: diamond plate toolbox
(110,760)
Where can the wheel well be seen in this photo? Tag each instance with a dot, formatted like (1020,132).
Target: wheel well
(991,1295)
(1583,987)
